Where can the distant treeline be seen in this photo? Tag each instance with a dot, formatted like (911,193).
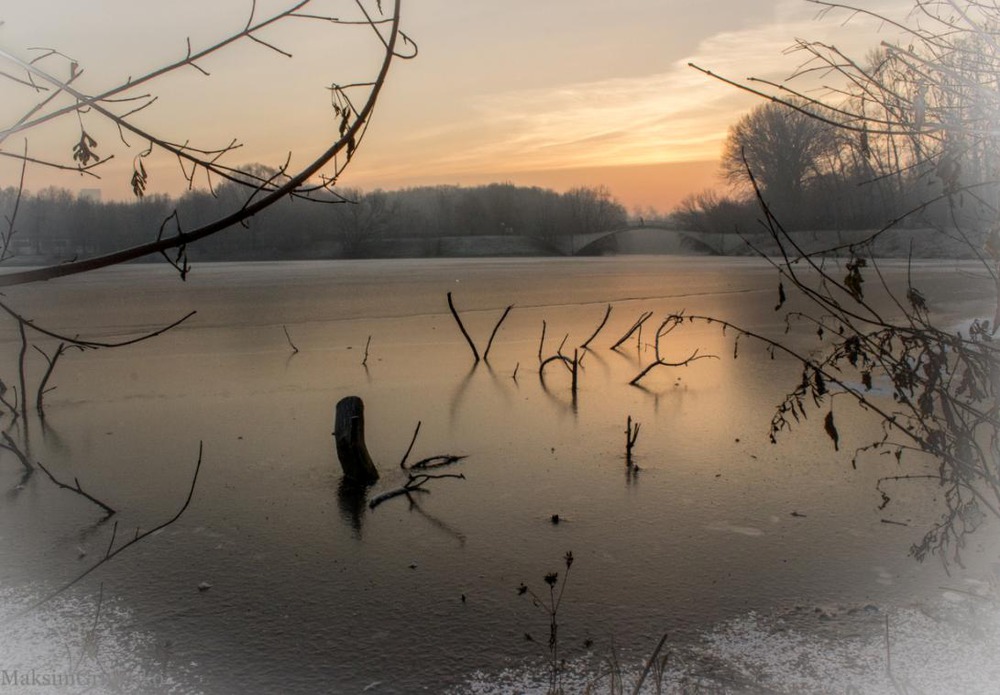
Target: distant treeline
(816,174)
(57,225)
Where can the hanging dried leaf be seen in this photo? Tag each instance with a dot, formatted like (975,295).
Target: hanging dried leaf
(853,280)
(852,348)
(83,151)
(917,300)
(139,179)
(781,296)
(831,430)
(819,383)
(926,403)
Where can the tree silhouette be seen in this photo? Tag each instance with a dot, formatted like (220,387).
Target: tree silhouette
(930,105)
(785,149)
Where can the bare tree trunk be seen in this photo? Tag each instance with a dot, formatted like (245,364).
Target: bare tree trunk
(349,433)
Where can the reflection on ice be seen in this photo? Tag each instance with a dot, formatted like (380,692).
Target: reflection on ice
(313,592)
(751,531)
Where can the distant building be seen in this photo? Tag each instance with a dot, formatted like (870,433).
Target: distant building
(92,194)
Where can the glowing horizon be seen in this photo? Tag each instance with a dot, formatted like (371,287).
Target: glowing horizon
(567,93)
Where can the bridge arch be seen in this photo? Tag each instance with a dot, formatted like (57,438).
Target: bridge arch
(602,242)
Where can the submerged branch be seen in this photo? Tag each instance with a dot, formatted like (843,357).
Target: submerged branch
(413,440)
(541,342)
(415,483)
(587,342)
(112,553)
(295,350)
(92,344)
(461,327)
(438,461)
(12,447)
(368,345)
(636,326)
(493,335)
(40,394)
(663,363)
(78,490)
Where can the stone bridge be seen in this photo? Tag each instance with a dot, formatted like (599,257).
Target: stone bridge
(599,243)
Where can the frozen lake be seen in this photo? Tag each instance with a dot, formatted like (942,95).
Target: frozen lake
(720,536)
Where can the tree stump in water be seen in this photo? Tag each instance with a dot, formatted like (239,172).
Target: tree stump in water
(349,434)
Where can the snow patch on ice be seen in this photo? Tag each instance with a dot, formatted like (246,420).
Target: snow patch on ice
(948,648)
(83,643)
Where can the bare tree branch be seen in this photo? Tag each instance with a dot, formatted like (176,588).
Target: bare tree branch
(346,144)
(113,552)
(461,327)
(77,489)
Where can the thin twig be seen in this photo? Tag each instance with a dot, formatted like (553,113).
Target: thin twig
(607,314)
(295,350)
(461,327)
(489,344)
(576,370)
(555,358)
(40,394)
(84,343)
(438,461)
(22,388)
(541,342)
(649,665)
(893,523)
(364,362)
(77,489)
(12,407)
(12,447)
(636,326)
(413,440)
(663,363)
(631,435)
(415,483)
(5,251)
(92,635)
(562,345)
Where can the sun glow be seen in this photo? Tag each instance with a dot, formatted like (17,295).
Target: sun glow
(534,103)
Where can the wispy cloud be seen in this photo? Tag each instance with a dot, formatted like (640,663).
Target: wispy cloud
(672,116)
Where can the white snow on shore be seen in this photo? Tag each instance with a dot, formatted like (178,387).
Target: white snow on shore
(948,648)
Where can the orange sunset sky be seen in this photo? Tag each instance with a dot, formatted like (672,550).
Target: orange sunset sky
(559,93)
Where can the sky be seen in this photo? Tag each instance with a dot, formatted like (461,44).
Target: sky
(553,93)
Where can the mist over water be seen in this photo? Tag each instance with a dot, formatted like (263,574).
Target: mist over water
(311,591)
